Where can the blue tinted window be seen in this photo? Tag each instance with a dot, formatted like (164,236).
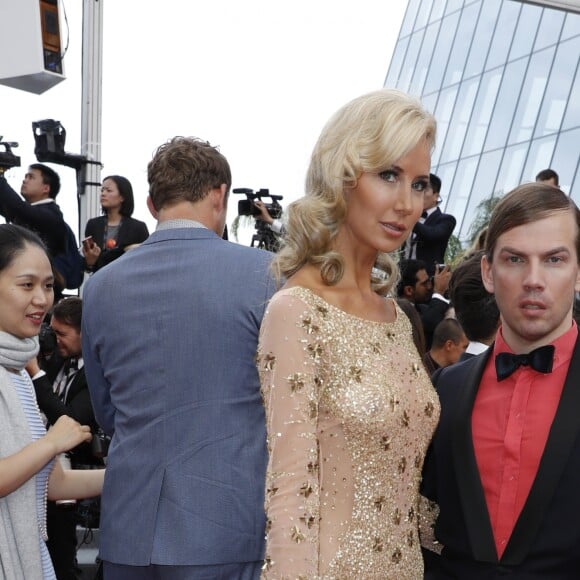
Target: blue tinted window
(441,53)
(423,14)
(453,5)
(443,113)
(461,189)
(571,25)
(409,19)
(437,10)
(565,161)
(461,43)
(558,89)
(483,188)
(572,116)
(397,61)
(422,66)
(550,27)
(510,174)
(539,157)
(482,111)
(505,105)
(482,37)
(525,31)
(531,97)
(410,60)
(504,32)
(460,120)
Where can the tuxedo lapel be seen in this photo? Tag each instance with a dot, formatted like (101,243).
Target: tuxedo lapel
(474,505)
(561,438)
(78,383)
(433,217)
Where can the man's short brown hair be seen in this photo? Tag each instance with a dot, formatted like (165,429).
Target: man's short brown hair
(186,169)
(526,204)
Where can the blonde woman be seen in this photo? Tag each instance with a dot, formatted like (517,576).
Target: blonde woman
(350,409)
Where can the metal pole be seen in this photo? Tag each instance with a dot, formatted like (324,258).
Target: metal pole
(89,177)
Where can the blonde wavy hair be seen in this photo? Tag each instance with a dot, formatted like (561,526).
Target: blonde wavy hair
(368,134)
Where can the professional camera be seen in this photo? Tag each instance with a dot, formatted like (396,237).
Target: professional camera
(264,237)
(47,341)
(100,444)
(247,206)
(7,158)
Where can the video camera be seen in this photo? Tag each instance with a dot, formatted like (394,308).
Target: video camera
(7,158)
(247,207)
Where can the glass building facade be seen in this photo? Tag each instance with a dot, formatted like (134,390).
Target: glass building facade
(503,80)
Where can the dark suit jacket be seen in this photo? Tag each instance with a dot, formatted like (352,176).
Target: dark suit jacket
(78,406)
(431,238)
(131,231)
(45,219)
(545,542)
(431,315)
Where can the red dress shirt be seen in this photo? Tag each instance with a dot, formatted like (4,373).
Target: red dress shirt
(510,423)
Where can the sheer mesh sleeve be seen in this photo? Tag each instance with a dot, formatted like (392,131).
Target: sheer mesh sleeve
(289,361)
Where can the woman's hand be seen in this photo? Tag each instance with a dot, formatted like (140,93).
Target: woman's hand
(66,433)
(91,253)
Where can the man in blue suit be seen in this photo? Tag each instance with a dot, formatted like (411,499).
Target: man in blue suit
(170,332)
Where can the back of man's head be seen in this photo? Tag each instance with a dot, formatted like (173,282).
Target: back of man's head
(435,183)
(447,329)
(528,203)
(69,311)
(49,177)
(548,176)
(186,169)
(408,274)
(475,307)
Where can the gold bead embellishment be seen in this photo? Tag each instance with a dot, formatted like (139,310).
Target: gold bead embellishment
(397,556)
(306,489)
(308,325)
(269,362)
(296,535)
(429,408)
(386,442)
(355,373)
(296,382)
(380,502)
(378,545)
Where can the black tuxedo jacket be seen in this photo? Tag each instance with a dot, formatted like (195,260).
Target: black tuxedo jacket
(78,406)
(131,231)
(431,238)
(545,543)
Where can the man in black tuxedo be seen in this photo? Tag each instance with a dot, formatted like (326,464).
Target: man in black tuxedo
(431,233)
(474,306)
(62,390)
(504,465)
(426,293)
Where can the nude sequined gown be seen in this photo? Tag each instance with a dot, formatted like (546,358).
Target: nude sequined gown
(350,412)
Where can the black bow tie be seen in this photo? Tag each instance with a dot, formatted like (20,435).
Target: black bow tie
(540,359)
(424,215)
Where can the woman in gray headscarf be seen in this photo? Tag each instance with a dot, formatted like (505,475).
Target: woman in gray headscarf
(28,473)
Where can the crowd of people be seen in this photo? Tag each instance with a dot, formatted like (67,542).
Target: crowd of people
(350,407)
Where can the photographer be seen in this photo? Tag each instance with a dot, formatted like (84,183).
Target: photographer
(61,389)
(38,211)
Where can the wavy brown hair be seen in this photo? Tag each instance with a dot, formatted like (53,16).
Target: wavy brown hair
(368,134)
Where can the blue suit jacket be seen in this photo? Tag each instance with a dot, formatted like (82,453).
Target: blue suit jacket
(170,332)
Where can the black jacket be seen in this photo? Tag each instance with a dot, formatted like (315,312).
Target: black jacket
(131,231)
(431,238)
(545,542)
